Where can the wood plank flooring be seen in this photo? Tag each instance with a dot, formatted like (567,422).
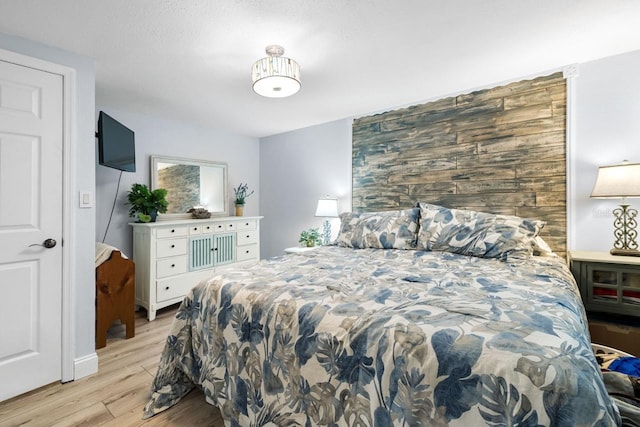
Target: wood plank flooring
(116,395)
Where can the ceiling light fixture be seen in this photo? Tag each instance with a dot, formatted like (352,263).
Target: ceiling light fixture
(275,76)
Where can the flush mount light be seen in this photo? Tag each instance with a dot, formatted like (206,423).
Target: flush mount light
(275,76)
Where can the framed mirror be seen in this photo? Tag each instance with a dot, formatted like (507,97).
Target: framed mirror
(190,183)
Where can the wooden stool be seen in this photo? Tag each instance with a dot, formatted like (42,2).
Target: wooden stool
(115,296)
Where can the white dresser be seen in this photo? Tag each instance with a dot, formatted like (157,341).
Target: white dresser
(171,257)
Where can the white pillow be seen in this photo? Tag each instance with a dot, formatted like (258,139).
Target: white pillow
(541,248)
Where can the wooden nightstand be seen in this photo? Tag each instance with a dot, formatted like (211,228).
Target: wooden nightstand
(610,290)
(608,283)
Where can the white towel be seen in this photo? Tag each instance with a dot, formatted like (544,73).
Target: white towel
(103,252)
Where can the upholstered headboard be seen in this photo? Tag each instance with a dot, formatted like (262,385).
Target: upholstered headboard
(499,150)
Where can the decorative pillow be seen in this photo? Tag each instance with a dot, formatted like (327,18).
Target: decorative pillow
(383,230)
(474,233)
(541,248)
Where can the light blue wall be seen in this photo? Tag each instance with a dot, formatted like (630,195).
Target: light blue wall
(607,131)
(163,137)
(84,170)
(296,169)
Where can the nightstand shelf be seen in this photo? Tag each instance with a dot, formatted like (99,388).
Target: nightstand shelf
(608,283)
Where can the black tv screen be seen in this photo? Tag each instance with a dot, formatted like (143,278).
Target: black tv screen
(116,144)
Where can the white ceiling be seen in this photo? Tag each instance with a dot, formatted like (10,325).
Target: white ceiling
(190,60)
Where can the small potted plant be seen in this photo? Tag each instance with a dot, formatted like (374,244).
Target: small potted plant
(310,238)
(146,204)
(242,192)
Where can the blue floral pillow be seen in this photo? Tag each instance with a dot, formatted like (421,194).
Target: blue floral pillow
(476,233)
(382,230)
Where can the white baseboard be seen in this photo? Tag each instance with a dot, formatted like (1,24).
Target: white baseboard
(85,366)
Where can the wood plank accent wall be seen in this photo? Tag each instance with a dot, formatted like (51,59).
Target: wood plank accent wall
(499,150)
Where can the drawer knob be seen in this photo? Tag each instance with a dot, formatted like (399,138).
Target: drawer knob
(166,288)
(248,236)
(173,246)
(247,252)
(173,231)
(230,225)
(173,265)
(246,223)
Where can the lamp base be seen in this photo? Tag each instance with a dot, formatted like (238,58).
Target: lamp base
(326,232)
(625,252)
(625,224)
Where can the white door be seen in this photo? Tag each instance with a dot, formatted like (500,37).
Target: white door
(31,142)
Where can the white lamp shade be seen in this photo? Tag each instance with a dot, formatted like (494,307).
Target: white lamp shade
(617,181)
(327,208)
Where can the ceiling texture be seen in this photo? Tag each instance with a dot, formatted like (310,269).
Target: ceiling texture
(190,60)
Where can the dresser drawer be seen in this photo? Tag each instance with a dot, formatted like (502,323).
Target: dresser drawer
(218,227)
(171,266)
(247,237)
(247,252)
(171,247)
(164,233)
(210,228)
(195,230)
(179,286)
(249,224)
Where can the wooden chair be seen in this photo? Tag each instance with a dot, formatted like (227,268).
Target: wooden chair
(115,296)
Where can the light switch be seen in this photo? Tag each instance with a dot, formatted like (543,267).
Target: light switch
(86,199)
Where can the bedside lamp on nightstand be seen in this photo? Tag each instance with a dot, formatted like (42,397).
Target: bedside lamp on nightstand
(620,182)
(327,208)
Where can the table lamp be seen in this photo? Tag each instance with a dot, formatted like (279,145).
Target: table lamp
(327,208)
(621,181)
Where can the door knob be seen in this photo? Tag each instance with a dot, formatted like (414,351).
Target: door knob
(49,243)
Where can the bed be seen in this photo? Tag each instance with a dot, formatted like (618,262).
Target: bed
(423,316)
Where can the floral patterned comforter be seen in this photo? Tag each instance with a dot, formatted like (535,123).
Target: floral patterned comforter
(376,337)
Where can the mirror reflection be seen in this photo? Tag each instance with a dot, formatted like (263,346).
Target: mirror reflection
(190,183)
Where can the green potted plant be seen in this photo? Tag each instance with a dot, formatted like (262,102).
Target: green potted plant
(310,238)
(242,192)
(146,204)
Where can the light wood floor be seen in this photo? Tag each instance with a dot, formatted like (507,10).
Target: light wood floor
(116,395)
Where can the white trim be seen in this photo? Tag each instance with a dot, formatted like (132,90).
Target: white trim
(69,220)
(85,366)
(570,73)
(68,209)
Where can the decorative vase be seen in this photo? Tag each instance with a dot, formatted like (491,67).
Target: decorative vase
(239,210)
(153,214)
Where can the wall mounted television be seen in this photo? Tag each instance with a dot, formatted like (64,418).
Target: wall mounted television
(116,144)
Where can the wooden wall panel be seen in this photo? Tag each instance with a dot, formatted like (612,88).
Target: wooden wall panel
(500,150)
